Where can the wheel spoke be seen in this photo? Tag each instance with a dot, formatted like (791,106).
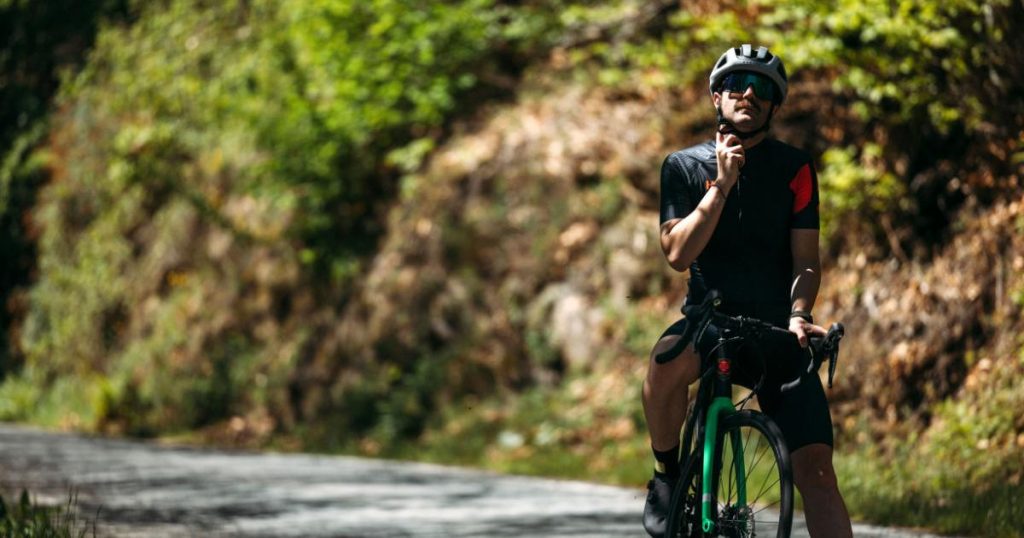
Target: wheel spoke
(760,454)
(769,487)
(732,469)
(765,487)
(760,478)
(767,507)
(763,476)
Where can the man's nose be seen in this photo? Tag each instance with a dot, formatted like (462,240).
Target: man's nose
(749,92)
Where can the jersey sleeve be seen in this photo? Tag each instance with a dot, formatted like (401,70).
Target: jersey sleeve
(677,197)
(805,198)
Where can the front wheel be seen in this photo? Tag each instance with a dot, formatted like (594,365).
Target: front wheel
(751,458)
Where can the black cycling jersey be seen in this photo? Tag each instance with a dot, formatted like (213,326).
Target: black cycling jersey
(749,257)
(749,260)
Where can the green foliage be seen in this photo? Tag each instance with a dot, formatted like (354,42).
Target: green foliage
(964,475)
(265,130)
(375,77)
(40,39)
(20,178)
(855,182)
(585,429)
(372,66)
(925,73)
(916,492)
(213,158)
(24,519)
(987,423)
(913,60)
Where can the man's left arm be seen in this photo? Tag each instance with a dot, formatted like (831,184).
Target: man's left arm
(806,279)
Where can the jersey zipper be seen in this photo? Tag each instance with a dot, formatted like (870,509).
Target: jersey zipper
(739,203)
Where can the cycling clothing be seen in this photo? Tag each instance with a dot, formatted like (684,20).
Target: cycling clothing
(749,261)
(749,258)
(801,413)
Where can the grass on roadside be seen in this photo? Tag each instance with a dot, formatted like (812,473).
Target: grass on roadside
(919,493)
(585,428)
(25,519)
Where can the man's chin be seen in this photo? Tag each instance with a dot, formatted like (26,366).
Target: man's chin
(746,123)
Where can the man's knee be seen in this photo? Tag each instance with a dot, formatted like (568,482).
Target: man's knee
(812,468)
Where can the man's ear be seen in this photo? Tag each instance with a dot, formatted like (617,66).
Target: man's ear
(716,98)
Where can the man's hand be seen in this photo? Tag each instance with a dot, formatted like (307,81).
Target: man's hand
(804,329)
(729,152)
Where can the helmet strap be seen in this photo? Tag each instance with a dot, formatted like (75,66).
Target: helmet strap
(730,127)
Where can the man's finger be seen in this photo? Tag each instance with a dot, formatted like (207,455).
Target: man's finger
(801,335)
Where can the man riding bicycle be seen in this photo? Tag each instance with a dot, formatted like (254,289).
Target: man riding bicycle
(741,214)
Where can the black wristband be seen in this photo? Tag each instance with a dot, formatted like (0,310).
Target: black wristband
(802,314)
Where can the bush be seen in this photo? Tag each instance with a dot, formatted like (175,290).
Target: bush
(211,159)
(40,40)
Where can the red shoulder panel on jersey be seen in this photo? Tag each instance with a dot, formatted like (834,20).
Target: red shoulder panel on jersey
(802,188)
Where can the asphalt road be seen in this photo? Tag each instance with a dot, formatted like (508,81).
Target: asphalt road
(146,489)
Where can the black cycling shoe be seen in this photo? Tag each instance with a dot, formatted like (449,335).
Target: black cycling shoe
(659,496)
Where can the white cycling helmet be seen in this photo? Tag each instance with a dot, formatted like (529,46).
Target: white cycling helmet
(745,58)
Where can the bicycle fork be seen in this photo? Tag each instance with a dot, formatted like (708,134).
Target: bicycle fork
(721,407)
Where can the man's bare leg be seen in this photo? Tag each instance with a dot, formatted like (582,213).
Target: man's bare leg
(815,477)
(665,393)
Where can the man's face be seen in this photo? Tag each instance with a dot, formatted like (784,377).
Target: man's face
(745,110)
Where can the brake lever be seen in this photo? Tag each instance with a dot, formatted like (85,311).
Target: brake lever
(835,334)
(713,302)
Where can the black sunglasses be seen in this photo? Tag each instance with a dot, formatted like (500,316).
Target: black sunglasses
(739,81)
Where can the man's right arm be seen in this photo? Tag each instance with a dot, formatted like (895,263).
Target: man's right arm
(683,239)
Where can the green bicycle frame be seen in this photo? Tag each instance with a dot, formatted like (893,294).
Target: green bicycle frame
(721,407)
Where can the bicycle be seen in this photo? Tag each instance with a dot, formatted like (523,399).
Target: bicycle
(748,499)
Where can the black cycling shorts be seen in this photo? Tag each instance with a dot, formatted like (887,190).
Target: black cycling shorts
(802,412)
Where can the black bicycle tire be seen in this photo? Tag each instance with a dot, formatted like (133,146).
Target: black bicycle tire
(679,503)
(692,469)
